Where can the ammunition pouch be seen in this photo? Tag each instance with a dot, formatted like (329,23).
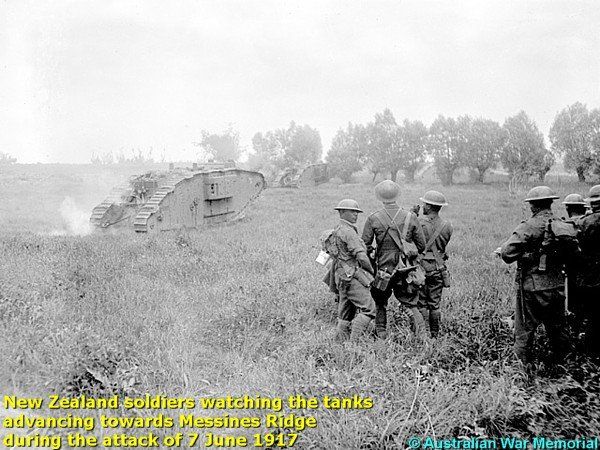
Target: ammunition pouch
(363,277)
(382,280)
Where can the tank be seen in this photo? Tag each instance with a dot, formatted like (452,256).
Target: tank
(311,175)
(178,198)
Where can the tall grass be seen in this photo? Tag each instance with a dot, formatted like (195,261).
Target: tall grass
(241,308)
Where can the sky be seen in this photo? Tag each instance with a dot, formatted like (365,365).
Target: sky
(91,77)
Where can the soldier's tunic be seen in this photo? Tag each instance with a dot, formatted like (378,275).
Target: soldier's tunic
(589,279)
(389,253)
(540,295)
(354,297)
(388,256)
(434,260)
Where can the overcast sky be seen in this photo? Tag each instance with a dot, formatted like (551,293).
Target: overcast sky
(78,77)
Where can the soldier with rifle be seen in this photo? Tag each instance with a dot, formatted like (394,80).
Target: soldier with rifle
(540,281)
(395,240)
(576,208)
(589,273)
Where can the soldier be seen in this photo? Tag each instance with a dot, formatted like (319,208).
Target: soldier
(437,233)
(575,207)
(388,227)
(540,296)
(352,274)
(589,241)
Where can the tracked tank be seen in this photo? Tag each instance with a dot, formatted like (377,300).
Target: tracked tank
(178,198)
(311,175)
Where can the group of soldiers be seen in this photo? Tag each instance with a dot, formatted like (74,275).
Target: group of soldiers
(398,253)
(556,280)
(404,254)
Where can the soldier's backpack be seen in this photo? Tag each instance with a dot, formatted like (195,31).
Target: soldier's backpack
(559,244)
(328,241)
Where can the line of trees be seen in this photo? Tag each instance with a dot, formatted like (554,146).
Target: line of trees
(385,145)
(137,157)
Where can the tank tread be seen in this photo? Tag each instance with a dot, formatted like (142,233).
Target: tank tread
(140,222)
(115,196)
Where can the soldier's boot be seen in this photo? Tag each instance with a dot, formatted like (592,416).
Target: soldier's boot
(435,317)
(360,324)
(417,324)
(381,322)
(342,332)
(426,319)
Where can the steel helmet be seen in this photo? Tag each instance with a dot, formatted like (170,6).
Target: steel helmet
(434,198)
(573,199)
(349,204)
(594,195)
(541,193)
(387,191)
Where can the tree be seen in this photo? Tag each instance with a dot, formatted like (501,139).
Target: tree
(5,159)
(305,145)
(347,153)
(222,147)
(382,144)
(524,151)
(414,138)
(395,147)
(288,147)
(485,140)
(448,140)
(571,134)
(595,140)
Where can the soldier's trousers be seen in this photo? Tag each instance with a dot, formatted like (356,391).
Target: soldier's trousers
(533,308)
(591,296)
(354,299)
(430,297)
(410,300)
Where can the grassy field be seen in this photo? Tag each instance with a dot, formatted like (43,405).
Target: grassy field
(241,309)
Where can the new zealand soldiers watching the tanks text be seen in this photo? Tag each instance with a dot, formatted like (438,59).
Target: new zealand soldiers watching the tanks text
(589,270)
(352,273)
(393,231)
(437,233)
(540,296)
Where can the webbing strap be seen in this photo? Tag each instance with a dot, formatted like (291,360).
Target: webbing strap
(393,221)
(434,236)
(385,234)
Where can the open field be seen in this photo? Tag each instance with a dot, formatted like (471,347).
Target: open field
(241,309)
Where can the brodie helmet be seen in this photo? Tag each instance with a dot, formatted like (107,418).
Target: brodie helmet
(541,193)
(387,191)
(434,198)
(349,204)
